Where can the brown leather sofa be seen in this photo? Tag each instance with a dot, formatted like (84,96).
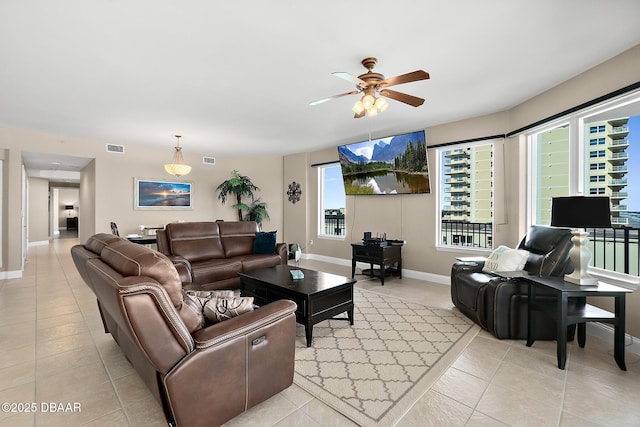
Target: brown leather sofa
(209,255)
(202,375)
(500,305)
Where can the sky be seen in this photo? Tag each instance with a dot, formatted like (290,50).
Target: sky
(334,191)
(633,177)
(366,148)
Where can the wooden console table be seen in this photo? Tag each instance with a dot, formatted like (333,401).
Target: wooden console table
(564,316)
(379,255)
(72,223)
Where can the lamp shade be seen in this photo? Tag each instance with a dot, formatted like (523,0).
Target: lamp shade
(68,207)
(177,167)
(581,212)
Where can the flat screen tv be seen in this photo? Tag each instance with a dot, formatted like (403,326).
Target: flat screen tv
(393,165)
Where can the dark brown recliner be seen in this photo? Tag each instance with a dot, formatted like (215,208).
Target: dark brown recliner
(499,305)
(202,375)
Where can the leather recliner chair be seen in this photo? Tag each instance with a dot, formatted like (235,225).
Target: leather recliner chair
(202,374)
(498,304)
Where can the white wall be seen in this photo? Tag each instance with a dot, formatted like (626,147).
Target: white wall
(38,210)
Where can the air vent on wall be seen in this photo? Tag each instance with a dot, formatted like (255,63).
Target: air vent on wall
(209,160)
(113,148)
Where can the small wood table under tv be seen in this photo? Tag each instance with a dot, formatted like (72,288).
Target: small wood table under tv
(387,255)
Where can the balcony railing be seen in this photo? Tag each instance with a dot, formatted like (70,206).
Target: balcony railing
(473,234)
(620,129)
(333,223)
(615,249)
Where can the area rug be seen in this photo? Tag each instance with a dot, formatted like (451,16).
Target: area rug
(374,371)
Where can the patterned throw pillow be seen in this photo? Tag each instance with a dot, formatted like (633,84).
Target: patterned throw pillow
(219,309)
(191,303)
(203,297)
(506,259)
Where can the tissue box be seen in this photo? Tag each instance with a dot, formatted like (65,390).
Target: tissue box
(296,274)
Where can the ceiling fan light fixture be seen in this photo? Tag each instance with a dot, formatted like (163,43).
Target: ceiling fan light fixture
(368,101)
(358,108)
(372,112)
(177,167)
(381,104)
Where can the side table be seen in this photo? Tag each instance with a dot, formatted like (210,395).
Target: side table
(582,313)
(379,255)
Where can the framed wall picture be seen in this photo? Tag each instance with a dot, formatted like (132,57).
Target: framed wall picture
(156,194)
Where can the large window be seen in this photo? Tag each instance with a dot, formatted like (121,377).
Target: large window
(332,201)
(466,195)
(595,152)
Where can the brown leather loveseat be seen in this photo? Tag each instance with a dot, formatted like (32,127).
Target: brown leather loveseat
(209,255)
(202,375)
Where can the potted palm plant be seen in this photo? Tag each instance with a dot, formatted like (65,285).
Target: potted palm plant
(242,188)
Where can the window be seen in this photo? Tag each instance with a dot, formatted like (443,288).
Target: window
(466,195)
(332,201)
(563,163)
(550,170)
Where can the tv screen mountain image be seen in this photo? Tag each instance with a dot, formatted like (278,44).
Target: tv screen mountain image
(392,165)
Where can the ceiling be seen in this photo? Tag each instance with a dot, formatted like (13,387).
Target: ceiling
(237,77)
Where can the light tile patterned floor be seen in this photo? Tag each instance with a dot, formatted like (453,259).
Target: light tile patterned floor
(53,349)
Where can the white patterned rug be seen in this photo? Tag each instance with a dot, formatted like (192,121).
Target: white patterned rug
(374,371)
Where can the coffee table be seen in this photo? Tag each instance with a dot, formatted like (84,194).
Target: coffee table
(319,296)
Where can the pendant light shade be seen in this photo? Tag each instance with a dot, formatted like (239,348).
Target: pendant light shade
(177,166)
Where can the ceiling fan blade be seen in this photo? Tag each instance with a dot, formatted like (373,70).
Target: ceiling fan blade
(404,78)
(414,101)
(361,114)
(320,101)
(351,78)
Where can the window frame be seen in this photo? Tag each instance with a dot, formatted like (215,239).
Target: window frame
(579,147)
(439,185)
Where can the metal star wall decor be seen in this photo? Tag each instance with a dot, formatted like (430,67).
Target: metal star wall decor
(294,192)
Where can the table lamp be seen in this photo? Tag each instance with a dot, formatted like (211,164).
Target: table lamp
(578,213)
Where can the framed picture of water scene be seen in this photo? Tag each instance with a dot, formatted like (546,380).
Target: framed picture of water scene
(156,194)
(393,165)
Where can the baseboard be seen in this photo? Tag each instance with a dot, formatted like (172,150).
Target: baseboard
(40,243)
(605,332)
(14,274)
(411,274)
(601,330)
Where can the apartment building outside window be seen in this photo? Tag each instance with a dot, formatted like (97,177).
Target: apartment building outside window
(332,201)
(563,162)
(466,196)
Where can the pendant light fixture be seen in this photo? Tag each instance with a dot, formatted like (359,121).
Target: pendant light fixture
(177,166)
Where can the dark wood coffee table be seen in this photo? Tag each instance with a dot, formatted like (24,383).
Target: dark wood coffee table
(319,295)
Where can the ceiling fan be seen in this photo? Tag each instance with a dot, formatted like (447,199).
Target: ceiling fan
(371,83)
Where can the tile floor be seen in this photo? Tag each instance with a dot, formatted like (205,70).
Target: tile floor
(53,349)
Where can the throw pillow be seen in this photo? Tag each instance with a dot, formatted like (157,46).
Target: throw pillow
(265,242)
(219,309)
(506,259)
(202,297)
(193,304)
